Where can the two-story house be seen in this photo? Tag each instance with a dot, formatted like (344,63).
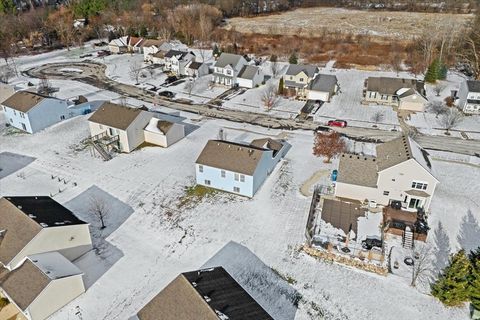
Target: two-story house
(176,61)
(32,112)
(227,68)
(405,94)
(401,171)
(469,97)
(236,167)
(322,87)
(297,78)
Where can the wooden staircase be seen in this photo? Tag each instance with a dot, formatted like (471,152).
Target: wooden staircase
(407,240)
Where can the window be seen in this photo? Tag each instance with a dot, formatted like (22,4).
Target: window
(242,178)
(419,185)
(291,77)
(372,94)
(24,127)
(236,189)
(11,121)
(237,177)
(414,203)
(301,79)
(229,72)
(200,168)
(386,193)
(207,182)
(384,97)
(22,115)
(14,112)
(62,117)
(223,173)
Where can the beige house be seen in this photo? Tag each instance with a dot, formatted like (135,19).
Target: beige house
(297,78)
(119,45)
(163,133)
(209,294)
(400,172)
(42,285)
(406,94)
(31,225)
(119,126)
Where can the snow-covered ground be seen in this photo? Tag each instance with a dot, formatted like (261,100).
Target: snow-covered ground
(153,232)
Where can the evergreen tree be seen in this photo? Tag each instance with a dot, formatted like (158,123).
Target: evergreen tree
(433,72)
(293,59)
(143,32)
(216,51)
(474,255)
(280,86)
(273,58)
(453,288)
(475,285)
(443,72)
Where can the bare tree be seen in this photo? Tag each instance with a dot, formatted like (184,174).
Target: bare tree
(450,119)
(270,97)
(274,65)
(6,73)
(134,71)
(44,87)
(378,116)
(439,87)
(99,208)
(328,145)
(437,108)
(470,52)
(422,264)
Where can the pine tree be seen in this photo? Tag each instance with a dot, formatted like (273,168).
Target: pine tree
(474,255)
(293,59)
(433,72)
(452,288)
(475,285)
(280,86)
(443,72)
(216,51)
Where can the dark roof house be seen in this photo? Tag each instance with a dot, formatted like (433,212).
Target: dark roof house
(209,294)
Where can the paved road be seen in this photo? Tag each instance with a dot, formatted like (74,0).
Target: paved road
(94,74)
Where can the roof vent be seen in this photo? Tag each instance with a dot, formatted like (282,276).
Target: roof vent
(194,284)
(207,298)
(31,215)
(19,207)
(34,260)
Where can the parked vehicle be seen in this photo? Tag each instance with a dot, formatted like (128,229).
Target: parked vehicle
(170,79)
(408,261)
(85,55)
(337,123)
(322,129)
(369,243)
(103,53)
(167,94)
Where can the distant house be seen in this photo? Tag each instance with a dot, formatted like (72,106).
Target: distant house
(176,61)
(124,128)
(42,284)
(135,44)
(32,112)
(406,94)
(31,225)
(209,294)
(197,69)
(238,168)
(121,126)
(400,172)
(163,133)
(469,97)
(149,48)
(119,45)
(297,78)
(250,76)
(227,68)
(322,87)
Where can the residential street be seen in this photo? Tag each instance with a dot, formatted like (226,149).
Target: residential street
(94,74)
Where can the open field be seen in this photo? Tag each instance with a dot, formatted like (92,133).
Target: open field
(317,21)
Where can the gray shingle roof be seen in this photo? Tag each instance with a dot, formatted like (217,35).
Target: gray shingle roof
(179,53)
(358,170)
(324,83)
(473,85)
(226,59)
(295,69)
(390,86)
(248,72)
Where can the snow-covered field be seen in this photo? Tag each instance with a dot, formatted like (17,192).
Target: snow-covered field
(153,232)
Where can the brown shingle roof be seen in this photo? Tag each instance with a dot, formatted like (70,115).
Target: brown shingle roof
(24,284)
(18,228)
(386,85)
(23,100)
(342,215)
(231,156)
(358,170)
(393,152)
(115,116)
(178,301)
(164,126)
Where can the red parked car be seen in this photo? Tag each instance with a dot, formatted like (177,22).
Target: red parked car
(337,123)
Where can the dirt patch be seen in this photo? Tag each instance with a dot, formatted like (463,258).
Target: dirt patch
(320,21)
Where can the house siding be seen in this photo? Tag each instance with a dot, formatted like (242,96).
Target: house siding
(57,294)
(71,241)
(176,133)
(226,183)
(96,128)
(135,134)
(465,95)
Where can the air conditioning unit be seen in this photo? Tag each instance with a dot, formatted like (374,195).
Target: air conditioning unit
(372,204)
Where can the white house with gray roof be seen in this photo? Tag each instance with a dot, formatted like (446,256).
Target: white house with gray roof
(469,97)
(297,78)
(236,167)
(227,68)
(322,87)
(400,171)
(32,112)
(250,77)
(406,94)
(176,61)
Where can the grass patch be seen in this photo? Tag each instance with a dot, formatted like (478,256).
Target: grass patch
(195,194)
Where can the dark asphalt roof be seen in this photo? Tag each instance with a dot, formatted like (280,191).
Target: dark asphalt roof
(248,72)
(45,211)
(473,85)
(295,69)
(324,83)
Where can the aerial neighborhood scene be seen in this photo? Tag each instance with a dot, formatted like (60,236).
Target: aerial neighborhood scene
(239,160)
